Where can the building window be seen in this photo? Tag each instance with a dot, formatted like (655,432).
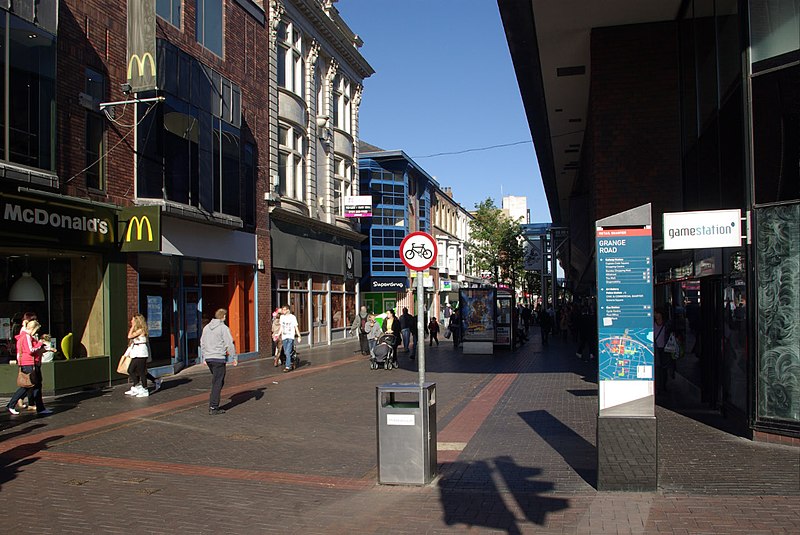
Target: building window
(209,25)
(30,75)
(291,162)
(95,133)
(291,68)
(341,103)
(342,183)
(170,11)
(189,147)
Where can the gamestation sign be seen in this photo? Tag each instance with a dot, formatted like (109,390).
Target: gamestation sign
(703,230)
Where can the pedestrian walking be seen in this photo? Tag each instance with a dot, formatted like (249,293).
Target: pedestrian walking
(359,328)
(375,332)
(290,332)
(29,360)
(433,329)
(406,322)
(391,325)
(455,327)
(139,352)
(276,338)
(545,324)
(216,345)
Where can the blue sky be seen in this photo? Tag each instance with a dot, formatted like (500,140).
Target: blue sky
(444,82)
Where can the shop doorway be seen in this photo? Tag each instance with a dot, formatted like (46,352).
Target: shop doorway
(191,325)
(320,322)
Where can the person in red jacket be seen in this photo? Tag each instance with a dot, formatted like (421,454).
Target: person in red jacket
(29,359)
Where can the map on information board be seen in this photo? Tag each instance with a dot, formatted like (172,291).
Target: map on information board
(626,356)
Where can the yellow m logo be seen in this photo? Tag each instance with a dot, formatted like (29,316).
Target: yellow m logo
(140,223)
(140,62)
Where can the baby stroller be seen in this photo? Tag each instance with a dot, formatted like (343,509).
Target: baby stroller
(383,353)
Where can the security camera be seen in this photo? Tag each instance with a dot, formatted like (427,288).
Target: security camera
(125,88)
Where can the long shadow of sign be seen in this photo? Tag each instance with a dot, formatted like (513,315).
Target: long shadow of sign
(470,495)
(580,454)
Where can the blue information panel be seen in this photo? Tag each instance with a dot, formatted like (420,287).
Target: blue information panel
(625,304)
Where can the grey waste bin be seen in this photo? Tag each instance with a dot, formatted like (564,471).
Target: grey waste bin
(406,433)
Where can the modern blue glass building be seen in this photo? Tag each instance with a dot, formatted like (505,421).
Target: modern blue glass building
(401,204)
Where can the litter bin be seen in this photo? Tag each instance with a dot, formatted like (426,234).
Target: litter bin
(406,433)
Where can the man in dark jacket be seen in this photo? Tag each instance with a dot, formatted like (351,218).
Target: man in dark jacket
(216,344)
(406,324)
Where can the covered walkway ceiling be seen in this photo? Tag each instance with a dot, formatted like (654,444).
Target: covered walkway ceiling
(549,43)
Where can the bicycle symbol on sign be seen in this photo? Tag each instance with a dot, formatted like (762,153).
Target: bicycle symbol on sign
(420,249)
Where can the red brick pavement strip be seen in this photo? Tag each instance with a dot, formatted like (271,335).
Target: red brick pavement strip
(199,470)
(466,423)
(121,418)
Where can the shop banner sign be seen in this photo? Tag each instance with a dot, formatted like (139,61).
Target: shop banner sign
(625,304)
(141,45)
(358,205)
(56,221)
(703,230)
(140,229)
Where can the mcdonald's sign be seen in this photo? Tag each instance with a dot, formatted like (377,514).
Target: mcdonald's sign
(141,63)
(142,45)
(140,229)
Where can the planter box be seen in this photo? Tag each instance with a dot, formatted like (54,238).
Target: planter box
(62,376)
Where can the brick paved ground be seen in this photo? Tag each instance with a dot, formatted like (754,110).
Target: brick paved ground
(296,453)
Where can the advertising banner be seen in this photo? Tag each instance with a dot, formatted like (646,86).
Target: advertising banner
(358,206)
(477,307)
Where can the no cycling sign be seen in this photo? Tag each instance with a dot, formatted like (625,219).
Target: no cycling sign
(418,251)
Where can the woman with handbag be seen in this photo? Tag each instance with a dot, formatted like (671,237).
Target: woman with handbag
(29,378)
(138,351)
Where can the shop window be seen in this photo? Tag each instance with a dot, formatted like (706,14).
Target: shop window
(68,285)
(337,311)
(319,282)
(280,280)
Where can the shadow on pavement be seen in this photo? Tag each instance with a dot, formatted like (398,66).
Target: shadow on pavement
(174,383)
(580,454)
(15,434)
(13,460)
(482,504)
(241,397)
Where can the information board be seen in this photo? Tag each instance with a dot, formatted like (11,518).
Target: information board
(625,304)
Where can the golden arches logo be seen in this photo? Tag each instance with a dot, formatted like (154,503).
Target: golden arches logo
(140,223)
(140,62)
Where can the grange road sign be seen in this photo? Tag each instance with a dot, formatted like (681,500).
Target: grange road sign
(418,251)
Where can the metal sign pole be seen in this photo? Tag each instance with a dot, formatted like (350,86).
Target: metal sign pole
(420,345)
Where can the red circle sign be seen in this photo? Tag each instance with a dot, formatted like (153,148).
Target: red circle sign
(418,251)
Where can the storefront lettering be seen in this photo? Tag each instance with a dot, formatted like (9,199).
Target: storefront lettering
(40,216)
